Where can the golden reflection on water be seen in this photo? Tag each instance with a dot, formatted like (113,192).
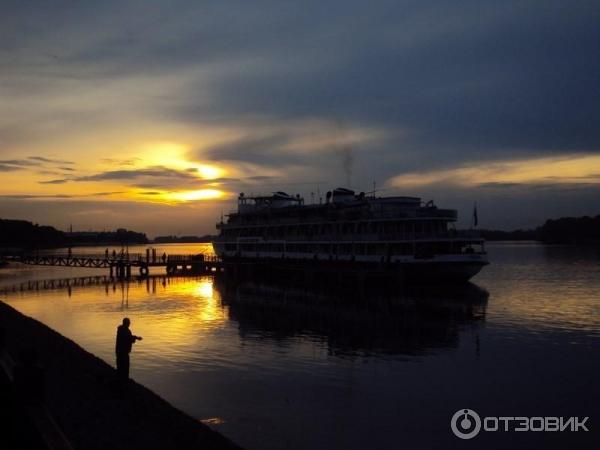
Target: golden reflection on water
(172,314)
(538,287)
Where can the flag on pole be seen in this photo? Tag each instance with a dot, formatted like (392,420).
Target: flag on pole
(475,219)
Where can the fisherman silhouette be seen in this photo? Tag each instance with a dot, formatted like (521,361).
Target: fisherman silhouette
(125,339)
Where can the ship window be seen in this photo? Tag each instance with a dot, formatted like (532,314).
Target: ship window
(275,247)
(401,249)
(346,249)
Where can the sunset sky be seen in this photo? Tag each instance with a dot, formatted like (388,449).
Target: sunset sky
(153,115)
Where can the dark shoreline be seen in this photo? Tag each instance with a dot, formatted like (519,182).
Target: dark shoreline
(81,394)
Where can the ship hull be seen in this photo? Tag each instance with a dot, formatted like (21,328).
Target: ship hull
(455,272)
(458,268)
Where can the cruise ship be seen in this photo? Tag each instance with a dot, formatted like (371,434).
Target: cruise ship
(416,239)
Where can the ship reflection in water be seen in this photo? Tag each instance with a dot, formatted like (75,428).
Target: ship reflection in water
(411,322)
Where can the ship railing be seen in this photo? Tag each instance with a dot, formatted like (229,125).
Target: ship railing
(408,236)
(128,257)
(352,216)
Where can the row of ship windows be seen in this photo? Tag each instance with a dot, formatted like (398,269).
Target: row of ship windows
(428,226)
(348,249)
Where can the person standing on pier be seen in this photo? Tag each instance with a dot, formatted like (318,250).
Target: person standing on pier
(125,340)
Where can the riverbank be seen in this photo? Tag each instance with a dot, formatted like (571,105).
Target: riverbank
(81,394)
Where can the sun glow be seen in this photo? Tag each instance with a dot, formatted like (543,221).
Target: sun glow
(175,156)
(201,194)
(209,172)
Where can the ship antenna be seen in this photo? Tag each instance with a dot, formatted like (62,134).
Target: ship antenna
(474,219)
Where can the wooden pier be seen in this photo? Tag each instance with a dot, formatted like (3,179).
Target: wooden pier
(122,265)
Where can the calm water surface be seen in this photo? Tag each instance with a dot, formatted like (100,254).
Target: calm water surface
(276,367)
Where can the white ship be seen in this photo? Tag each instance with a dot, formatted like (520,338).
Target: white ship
(416,239)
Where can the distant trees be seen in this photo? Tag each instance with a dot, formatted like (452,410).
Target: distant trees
(566,230)
(515,235)
(20,233)
(119,237)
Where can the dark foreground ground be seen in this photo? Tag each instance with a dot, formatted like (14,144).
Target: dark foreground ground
(81,395)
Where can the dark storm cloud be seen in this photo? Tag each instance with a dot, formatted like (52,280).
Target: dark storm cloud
(58,181)
(126,175)
(449,84)
(153,172)
(57,196)
(121,162)
(155,177)
(264,150)
(17,164)
(496,185)
(49,160)
(10,165)
(486,80)
(8,168)
(35,196)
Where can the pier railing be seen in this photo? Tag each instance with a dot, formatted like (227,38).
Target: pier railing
(110,260)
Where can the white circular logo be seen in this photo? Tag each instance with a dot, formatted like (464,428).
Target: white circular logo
(465,423)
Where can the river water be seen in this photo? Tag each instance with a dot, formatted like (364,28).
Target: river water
(276,367)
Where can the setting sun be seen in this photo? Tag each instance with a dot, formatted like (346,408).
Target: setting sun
(209,172)
(176,156)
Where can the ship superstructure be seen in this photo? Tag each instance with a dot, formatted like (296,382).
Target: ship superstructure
(417,238)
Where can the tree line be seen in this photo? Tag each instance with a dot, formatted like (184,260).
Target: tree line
(21,233)
(566,230)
